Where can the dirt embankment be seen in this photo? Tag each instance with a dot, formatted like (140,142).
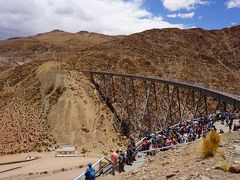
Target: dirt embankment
(78,117)
(47,105)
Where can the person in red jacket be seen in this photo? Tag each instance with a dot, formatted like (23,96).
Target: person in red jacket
(114,160)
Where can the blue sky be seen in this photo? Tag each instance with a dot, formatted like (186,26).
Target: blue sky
(215,14)
(114,17)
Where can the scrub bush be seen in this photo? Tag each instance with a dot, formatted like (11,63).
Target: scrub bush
(209,145)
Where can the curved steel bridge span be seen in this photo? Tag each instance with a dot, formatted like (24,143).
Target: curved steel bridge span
(139,102)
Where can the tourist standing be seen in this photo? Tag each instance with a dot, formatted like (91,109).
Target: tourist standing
(114,160)
(230,123)
(90,173)
(122,161)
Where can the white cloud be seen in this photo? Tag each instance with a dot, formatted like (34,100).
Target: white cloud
(175,5)
(182,15)
(233,4)
(103,16)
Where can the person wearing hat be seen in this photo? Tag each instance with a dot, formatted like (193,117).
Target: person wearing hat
(90,173)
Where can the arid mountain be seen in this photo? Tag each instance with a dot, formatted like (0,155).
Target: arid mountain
(42,104)
(54,45)
(45,98)
(80,39)
(210,58)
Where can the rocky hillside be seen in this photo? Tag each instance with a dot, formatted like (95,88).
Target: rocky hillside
(42,105)
(45,99)
(23,126)
(195,55)
(210,58)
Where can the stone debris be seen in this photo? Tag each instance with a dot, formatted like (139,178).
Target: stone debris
(170,175)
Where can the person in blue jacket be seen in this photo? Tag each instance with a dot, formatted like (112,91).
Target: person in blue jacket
(90,173)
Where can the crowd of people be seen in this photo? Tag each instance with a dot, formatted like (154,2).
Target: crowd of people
(186,131)
(121,158)
(227,119)
(183,132)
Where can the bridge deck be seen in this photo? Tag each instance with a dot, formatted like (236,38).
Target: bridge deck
(218,95)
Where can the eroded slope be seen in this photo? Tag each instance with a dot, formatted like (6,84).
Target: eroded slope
(42,105)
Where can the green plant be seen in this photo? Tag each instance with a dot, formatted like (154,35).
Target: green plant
(223,166)
(214,138)
(209,145)
(205,148)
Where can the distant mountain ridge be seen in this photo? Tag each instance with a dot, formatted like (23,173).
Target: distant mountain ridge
(52,45)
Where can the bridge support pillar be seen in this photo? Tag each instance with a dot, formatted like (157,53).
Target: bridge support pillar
(140,102)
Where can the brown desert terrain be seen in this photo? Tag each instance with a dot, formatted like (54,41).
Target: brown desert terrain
(46,101)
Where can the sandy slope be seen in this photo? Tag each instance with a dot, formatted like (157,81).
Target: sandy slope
(42,104)
(78,117)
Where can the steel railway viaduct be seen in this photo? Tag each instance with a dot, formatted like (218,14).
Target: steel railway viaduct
(142,102)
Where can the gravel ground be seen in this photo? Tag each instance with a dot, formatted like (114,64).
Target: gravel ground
(185,163)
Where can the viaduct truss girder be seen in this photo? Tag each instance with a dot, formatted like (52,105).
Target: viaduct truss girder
(142,102)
